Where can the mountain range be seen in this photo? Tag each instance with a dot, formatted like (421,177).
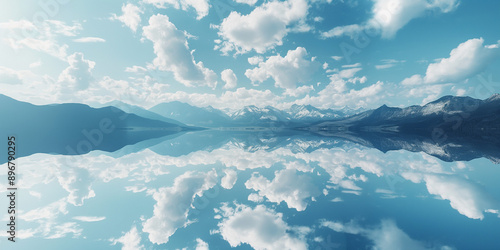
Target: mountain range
(450,128)
(248,116)
(72,128)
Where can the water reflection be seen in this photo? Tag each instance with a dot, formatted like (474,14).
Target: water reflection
(268,189)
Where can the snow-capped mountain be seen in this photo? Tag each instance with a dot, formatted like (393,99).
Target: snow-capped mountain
(253,114)
(443,110)
(450,128)
(248,115)
(308,113)
(191,115)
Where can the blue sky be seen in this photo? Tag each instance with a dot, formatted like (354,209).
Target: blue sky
(229,54)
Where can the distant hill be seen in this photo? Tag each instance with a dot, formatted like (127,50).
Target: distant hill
(75,128)
(248,116)
(140,112)
(190,115)
(450,128)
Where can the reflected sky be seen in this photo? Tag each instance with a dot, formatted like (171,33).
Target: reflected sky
(236,192)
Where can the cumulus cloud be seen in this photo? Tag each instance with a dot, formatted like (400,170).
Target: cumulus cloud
(130,240)
(229,78)
(131,16)
(299,91)
(229,179)
(337,94)
(78,182)
(467,198)
(173,203)
(40,36)
(201,245)
(468,59)
(78,75)
(287,186)
(286,71)
(259,227)
(254,60)
(263,28)
(14,77)
(389,16)
(145,91)
(172,53)
(200,6)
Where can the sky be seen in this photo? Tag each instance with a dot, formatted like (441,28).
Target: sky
(233,53)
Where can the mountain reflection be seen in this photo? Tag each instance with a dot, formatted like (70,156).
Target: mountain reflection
(315,186)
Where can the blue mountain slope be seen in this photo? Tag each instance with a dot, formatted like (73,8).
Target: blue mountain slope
(74,128)
(190,115)
(140,112)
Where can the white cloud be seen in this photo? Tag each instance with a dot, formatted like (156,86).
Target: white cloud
(130,240)
(200,6)
(388,63)
(254,60)
(89,218)
(131,16)
(229,179)
(286,71)
(337,58)
(468,59)
(47,213)
(173,203)
(255,197)
(287,186)
(356,65)
(467,198)
(229,78)
(386,236)
(78,182)
(263,28)
(78,75)
(249,2)
(389,16)
(40,37)
(260,227)
(349,30)
(413,80)
(336,94)
(13,77)
(89,40)
(46,217)
(201,245)
(318,19)
(172,53)
(61,230)
(299,91)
